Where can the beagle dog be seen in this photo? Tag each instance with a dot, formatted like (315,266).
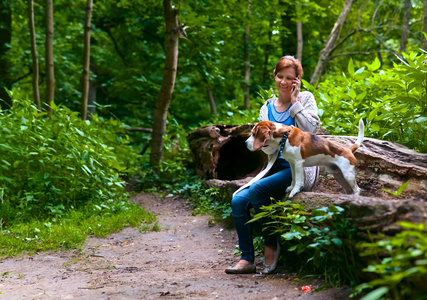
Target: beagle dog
(305,149)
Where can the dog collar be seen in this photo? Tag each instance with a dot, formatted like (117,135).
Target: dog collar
(283,142)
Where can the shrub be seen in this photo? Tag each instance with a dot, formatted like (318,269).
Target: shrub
(50,164)
(393,102)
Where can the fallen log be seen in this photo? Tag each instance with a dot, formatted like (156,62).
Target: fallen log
(222,159)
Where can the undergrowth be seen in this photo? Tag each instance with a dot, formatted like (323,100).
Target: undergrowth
(62,179)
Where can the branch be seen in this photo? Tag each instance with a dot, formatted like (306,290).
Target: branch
(116,47)
(357,53)
(147,130)
(384,45)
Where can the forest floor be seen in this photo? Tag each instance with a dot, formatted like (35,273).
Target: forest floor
(184,260)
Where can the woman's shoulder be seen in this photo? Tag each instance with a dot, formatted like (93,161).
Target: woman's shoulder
(305,96)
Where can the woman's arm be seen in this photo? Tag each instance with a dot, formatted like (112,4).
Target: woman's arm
(305,112)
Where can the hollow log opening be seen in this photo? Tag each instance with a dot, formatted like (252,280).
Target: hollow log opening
(235,161)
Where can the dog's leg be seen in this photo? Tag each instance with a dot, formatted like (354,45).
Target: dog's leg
(299,178)
(342,181)
(347,180)
(290,188)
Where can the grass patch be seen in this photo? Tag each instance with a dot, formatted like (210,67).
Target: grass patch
(71,231)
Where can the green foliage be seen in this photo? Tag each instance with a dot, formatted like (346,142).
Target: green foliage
(399,190)
(50,165)
(319,240)
(323,242)
(399,263)
(393,102)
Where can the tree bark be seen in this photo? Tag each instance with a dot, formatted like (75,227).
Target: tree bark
(425,24)
(405,26)
(299,41)
(211,99)
(247,60)
(299,38)
(327,50)
(34,54)
(173,32)
(5,40)
(267,54)
(50,77)
(86,61)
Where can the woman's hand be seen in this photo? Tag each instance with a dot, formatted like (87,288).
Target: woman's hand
(296,86)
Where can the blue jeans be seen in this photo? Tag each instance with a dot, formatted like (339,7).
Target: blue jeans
(257,195)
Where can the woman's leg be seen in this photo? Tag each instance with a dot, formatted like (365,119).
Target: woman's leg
(260,192)
(240,208)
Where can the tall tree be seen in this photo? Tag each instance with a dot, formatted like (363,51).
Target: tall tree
(5,41)
(34,54)
(247,59)
(299,33)
(327,50)
(405,26)
(173,32)
(50,78)
(86,61)
(425,23)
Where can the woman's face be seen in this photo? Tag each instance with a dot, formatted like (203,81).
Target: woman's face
(284,80)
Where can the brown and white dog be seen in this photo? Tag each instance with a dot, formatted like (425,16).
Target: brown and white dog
(305,149)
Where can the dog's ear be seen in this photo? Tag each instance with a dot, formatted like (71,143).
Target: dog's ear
(281,131)
(261,135)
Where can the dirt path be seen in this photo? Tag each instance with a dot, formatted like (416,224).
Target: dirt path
(185,260)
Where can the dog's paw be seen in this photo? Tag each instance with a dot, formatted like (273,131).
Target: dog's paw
(294,192)
(290,188)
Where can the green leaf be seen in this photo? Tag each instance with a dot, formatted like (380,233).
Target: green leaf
(421,119)
(402,188)
(375,127)
(351,67)
(376,294)
(360,71)
(373,114)
(409,225)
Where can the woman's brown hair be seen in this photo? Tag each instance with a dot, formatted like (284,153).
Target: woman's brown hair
(289,61)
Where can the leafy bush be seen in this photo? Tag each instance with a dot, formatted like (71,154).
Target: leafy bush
(50,164)
(393,102)
(320,241)
(400,263)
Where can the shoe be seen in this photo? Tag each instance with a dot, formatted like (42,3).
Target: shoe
(248,269)
(269,269)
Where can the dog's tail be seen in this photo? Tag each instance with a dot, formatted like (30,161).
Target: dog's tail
(360,137)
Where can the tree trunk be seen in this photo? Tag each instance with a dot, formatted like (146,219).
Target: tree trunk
(405,26)
(247,60)
(5,42)
(211,99)
(34,54)
(425,24)
(299,41)
(299,38)
(173,32)
(326,52)
(267,54)
(50,78)
(86,61)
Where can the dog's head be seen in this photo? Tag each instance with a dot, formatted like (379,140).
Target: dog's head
(266,135)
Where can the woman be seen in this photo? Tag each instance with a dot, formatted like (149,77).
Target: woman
(290,108)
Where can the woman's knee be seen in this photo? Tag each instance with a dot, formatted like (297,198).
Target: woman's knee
(239,205)
(257,192)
